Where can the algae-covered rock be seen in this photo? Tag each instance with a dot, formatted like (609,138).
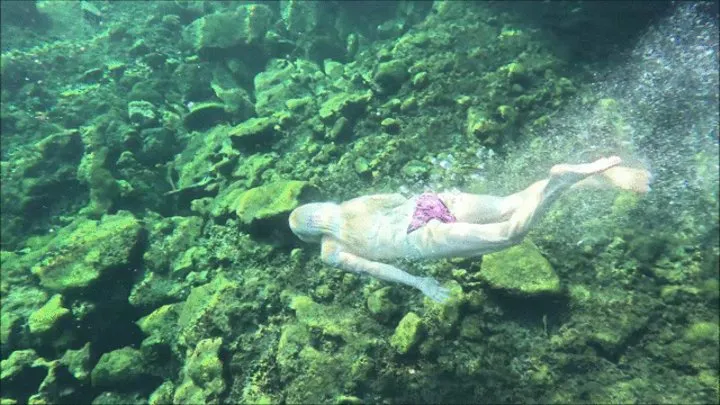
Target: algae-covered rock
(169,239)
(391,75)
(252,168)
(162,394)
(162,322)
(407,334)
(520,270)
(142,113)
(277,87)
(16,363)
(237,101)
(204,115)
(203,375)
(254,134)
(210,310)
(198,165)
(348,105)
(9,324)
(119,367)
(86,250)
(49,317)
(326,353)
(245,26)
(270,200)
(702,332)
(380,304)
(78,362)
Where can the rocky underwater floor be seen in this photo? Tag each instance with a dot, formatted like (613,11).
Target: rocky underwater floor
(152,151)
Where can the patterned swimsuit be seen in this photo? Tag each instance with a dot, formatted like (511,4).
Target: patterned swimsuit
(429,206)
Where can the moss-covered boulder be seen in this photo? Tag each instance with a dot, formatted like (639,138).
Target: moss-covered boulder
(162,323)
(77,362)
(203,375)
(49,317)
(119,367)
(326,353)
(209,310)
(271,200)
(348,105)
(204,115)
(206,158)
(87,250)
(142,113)
(18,362)
(254,134)
(381,305)
(277,89)
(244,26)
(250,170)
(520,270)
(391,75)
(407,334)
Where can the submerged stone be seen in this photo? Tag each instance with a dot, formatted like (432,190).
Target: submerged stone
(119,367)
(86,250)
(520,270)
(407,334)
(254,133)
(204,115)
(48,317)
(244,26)
(270,200)
(203,381)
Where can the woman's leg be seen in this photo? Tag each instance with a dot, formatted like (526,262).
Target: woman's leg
(489,209)
(455,239)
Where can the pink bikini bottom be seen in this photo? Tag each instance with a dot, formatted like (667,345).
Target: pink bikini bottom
(429,206)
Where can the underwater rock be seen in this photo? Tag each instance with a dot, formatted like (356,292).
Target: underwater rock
(407,334)
(479,124)
(197,165)
(208,310)
(203,375)
(78,362)
(124,366)
(168,239)
(325,353)
(270,200)
(282,81)
(162,322)
(142,113)
(31,179)
(391,75)
(520,270)
(18,362)
(118,398)
(245,26)
(49,317)
(380,304)
(162,394)
(390,125)
(156,289)
(254,134)
(9,324)
(204,115)
(86,250)
(350,106)
(237,102)
(252,168)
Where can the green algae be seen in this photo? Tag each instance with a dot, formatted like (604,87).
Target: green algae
(82,253)
(520,270)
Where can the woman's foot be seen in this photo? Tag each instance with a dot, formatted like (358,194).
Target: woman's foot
(584,169)
(629,178)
